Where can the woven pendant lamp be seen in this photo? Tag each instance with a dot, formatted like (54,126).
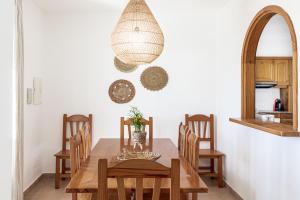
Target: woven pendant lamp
(137,38)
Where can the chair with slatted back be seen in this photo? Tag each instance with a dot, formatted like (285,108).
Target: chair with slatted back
(139,169)
(77,157)
(148,123)
(71,126)
(184,133)
(203,126)
(193,141)
(86,140)
(193,150)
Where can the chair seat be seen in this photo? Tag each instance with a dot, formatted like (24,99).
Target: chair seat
(208,153)
(63,154)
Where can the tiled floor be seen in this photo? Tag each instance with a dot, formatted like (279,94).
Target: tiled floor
(45,190)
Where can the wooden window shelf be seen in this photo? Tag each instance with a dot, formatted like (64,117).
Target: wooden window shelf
(278,129)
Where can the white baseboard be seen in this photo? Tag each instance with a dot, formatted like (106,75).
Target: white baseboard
(236,194)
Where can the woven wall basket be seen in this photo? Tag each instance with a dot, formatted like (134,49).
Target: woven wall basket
(137,38)
(154,78)
(123,67)
(121,91)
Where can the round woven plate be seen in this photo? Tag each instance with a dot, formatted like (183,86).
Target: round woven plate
(154,78)
(123,67)
(121,91)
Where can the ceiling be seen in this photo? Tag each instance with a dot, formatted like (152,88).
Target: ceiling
(78,5)
(96,5)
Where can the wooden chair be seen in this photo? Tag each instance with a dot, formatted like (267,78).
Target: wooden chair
(193,150)
(77,157)
(188,146)
(128,123)
(184,133)
(86,137)
(71,126)
(199,124)
(138,169)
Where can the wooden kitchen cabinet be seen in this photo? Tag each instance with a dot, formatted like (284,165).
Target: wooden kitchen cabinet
(282,72)
(264,70)
(275,69)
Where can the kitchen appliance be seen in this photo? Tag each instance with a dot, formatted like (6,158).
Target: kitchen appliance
(265,117)
(278,105)
(265,84)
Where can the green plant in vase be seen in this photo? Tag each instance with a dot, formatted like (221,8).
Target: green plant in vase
(139,135)
(136,117)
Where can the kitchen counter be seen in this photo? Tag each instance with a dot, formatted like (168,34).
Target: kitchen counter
(273,112)
(270,127)
(284,116)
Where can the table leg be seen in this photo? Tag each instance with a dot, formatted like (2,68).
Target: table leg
(57,173)
(220,172)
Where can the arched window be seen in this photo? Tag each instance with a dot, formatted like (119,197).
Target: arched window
(248,74)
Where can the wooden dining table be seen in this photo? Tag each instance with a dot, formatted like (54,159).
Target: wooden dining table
(86,179)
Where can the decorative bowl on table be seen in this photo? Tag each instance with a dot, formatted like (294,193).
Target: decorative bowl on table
(138,155)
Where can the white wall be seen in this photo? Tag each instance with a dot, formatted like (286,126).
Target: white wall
(275,39)
(79,69)
(6,115)
(265,97)
(258,165)
(34,64)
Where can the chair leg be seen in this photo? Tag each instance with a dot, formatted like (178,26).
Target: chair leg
(194,196)
(63,168)
(57,173)
(220,172)
(184,196)
(74,196)
(212,165)
(95,196)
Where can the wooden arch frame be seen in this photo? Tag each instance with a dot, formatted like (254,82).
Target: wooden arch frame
(249,57)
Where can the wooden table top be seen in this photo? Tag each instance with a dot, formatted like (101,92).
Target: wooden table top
(86,180)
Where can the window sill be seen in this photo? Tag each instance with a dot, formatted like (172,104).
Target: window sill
(278,129)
